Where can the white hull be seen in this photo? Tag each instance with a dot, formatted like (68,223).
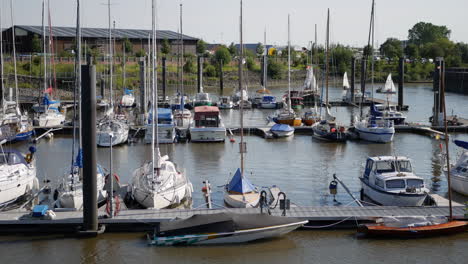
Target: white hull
(128,100)
(235,201)
(268,105)
(166,134)
(51,119)
(459,183)
(392,199)
(119,132)
(74,198)
(207,134)
(161,200)
(374,134)
(16,186)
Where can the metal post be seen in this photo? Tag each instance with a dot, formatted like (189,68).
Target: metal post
(103,85)
(111,180)
(88,112)
(200,72)
(436,89)
(143,106)
(363,82)
(164,80)
(353,76)
(221,78)
(401,80)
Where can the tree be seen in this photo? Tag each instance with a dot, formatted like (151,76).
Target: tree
(260,49)
(201,47)
(463,50)
(412,51)
(140,53)
(368,50)
(342,56)
(127,45)
(36,44)
(392,48)
(189,66)
(423,33)
(232,49)
(275,70)
(165,47)
(223,54)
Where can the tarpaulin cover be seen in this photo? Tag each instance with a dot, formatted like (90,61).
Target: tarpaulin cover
(282,127)
(240,184)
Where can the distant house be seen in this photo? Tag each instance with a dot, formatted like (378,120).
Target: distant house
(64,39)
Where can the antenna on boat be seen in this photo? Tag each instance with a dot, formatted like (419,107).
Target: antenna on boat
(444,107)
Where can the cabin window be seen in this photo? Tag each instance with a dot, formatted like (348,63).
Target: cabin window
(404,166)
(170,168)
(414,183)
(385,166)
(379,182)
(9,158)
(368,168)
(395,184)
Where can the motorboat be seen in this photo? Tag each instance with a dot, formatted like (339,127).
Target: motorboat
(52,117)
(207,125)
(225,102)
(202,99)
(17,175)
(387,112)
(389,180)
(459,171)
(268,102)
(128,99)
(161,187)
(222,228)
(281,130)
(240,192)
(166,127)
(111,131)
(375,129)
(329,131)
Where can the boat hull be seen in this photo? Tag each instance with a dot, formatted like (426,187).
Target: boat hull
(448,228)
(292,122)
(207,134)
(51,121)
(18,187)
(166,134)
(392,199)
(277,133)
(459,183)
(249,200)
(376,135)
(169,198)
(268,105)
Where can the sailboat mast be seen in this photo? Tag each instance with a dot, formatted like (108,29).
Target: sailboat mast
(78,70)
(372,49)
(14,51)
(111,60)
(449,183)
(181,63)
(289,64)
(327,65)
(154,105)
(366,58)
(1,64)
(44,49)
(241,89)
(265,61)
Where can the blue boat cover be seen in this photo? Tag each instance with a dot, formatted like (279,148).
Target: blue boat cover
(282,127)
(47,101)
(461,144)
(375,111)
(164,114)
(240,184)
(268,98)
(127,91)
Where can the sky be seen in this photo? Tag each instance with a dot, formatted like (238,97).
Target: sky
(217,21)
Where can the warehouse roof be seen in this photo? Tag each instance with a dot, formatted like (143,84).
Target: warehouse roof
(70,32)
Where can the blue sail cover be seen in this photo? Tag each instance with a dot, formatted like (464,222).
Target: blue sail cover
(461,144)
(282,127)
(240,184)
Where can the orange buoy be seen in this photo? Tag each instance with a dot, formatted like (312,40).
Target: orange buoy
(232,140)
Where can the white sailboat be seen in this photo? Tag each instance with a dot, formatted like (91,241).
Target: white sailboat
(69,193)
(389,87)
(240,192)
(459,171)
(158,184)
(110,130)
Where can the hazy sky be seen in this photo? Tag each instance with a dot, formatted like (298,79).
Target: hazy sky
(218,20)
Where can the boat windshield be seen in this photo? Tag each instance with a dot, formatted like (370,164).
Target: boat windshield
(404,166)
(9,159)
(202,97)
(385,166)
(395,184)
(416,183)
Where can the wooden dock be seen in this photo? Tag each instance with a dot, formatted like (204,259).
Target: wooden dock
(146,220)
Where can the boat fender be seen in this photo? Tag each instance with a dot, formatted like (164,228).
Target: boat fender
(333,187)
(116,203)
(49,215)
(333,130)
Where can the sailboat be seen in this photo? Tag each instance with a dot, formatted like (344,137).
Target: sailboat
(373,128)
(459,171)
(420,226)
(158,183)
(327,128)
(346,95)
(69,193)
(263,98)
(387,111)
(287,116)
(240,192)
(311,115)
(389,87)
(110,130)
(51,117)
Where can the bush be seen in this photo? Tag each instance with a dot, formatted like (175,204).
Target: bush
(210,71)
(275,70)
(189,66)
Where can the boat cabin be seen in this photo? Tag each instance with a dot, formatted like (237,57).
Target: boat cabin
(202,97)
(11,157)
(207,116)
(391,174)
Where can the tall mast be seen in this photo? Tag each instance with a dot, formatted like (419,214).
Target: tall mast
(265,61)
(155,140)
(181,63)
(44,45)
(14,52)
(111,60)
(241,89)
(372,49)
(449,183)
(327,66)
(366,55)
(289,65)
(1,64)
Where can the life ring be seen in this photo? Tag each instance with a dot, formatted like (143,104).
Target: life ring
(117,205)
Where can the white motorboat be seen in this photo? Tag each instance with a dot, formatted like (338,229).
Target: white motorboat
(222,228)
(17,175)
(389,180)
(207,125)
(387,112)
(375,129)
(111,128)
(166,127)
(128,99)
(459,171)
(225,102)
(268,102)
(51,118)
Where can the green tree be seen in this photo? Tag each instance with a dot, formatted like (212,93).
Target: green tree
(412,51)
(201,47)
(210,71)
(463,50)
(342,56)
(36,44)
(140,53)
(275,70)
(128,46)
(368,50)
(189,66)
(392,48)
(165,47)
(232,49)
(260,49)
(423,33)
(223,54)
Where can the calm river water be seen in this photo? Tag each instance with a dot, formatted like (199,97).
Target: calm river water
(301,166)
